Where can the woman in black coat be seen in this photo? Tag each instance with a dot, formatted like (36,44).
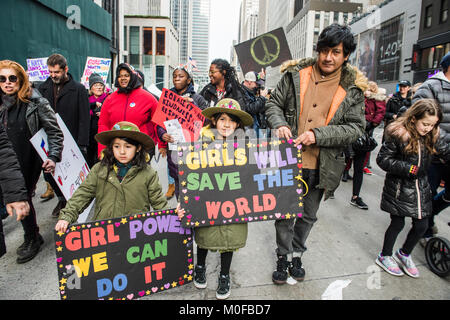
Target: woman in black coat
(410,143)
(23,112)
(12,184)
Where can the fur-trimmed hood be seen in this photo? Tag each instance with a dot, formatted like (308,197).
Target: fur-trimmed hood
(375,96)
(351,76)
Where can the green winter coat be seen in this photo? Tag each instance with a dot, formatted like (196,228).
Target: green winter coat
(347,125)
(139,190)
(221,238)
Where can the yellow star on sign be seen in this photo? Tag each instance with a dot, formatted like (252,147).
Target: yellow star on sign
(64,297)
(174,284)
(60,234)
(185,276)
(147,292)
(191,148)
(197,224)
(183,183)
(191,266)
(299,177)
(189,278)
(180,162)
(123,221)
(265,217)
(186,198)
(63,280)
(205,145)
(73,229)
(61,288)
(225,145)
(59,249)
(249,145)
(184,241)
(288,216)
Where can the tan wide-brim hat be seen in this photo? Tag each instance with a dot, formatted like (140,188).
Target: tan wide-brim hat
(125,129)
(230,106)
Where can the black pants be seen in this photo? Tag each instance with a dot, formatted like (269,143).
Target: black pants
(359,161)
(417,231)
(225,260)
(436,173)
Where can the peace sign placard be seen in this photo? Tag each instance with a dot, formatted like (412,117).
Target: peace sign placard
(270,49)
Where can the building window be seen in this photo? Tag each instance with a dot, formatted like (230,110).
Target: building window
(160,77)
(125,38)
(148,41)
(444,11)
(134,47)
(160,41)
(428,16)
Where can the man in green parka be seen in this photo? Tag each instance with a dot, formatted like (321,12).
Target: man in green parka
(319,103)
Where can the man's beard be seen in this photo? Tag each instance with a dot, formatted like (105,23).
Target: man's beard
(59,80)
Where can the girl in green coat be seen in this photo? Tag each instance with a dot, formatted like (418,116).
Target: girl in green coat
(226,117)
(122,183)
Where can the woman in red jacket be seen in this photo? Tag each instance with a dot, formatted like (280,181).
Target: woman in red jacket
(129,103)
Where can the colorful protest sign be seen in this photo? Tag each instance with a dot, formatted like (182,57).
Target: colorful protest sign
(95,65)
(124,258)
(37,69)
(73,168)
(172,106)
(269,49)
(240,181)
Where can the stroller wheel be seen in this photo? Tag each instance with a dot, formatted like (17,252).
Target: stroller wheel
(437,253)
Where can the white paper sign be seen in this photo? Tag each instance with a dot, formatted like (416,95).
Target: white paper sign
(73,168)
(95,65)
(173,127)
(37,69)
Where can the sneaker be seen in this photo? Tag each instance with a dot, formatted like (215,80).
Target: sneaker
(358,202)
(367,171)
(389,265)
(346,176)
(295,269)
(407,264)
(29,249)
(224,287)
(200,277)
(280,275)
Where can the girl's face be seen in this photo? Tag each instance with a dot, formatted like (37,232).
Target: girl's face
(124,152)
(9,81)
(426,124)
(180,80)
(215,75)
(225,125)
(124,78)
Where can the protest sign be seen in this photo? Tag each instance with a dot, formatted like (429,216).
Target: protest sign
(124,258)
(269,49)
(95,65)
(37,69)
(240,181)
(73,168)
(172,106)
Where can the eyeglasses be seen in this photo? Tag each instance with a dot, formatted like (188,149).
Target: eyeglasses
(11,78)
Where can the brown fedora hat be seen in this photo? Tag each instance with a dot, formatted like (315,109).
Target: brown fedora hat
(125,129)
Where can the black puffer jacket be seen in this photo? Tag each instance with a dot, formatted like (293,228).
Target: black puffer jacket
(403,195)
(11,179)
(394,105)
(209,92)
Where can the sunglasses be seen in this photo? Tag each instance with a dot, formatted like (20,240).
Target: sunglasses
(11,78)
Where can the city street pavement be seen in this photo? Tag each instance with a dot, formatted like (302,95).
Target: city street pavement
(343,245)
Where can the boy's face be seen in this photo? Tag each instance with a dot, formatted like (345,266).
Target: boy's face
(225,125)
(124,152)
(331,59)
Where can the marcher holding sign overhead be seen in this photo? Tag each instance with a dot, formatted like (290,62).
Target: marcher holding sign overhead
(123,183)
(129,103)
(183,86)
(226,117)
(23,113)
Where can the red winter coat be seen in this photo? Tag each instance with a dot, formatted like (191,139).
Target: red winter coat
(375,108)
(137,107)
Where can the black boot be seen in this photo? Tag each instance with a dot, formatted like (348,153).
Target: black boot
(280,275)
(295,269)
(29,249)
